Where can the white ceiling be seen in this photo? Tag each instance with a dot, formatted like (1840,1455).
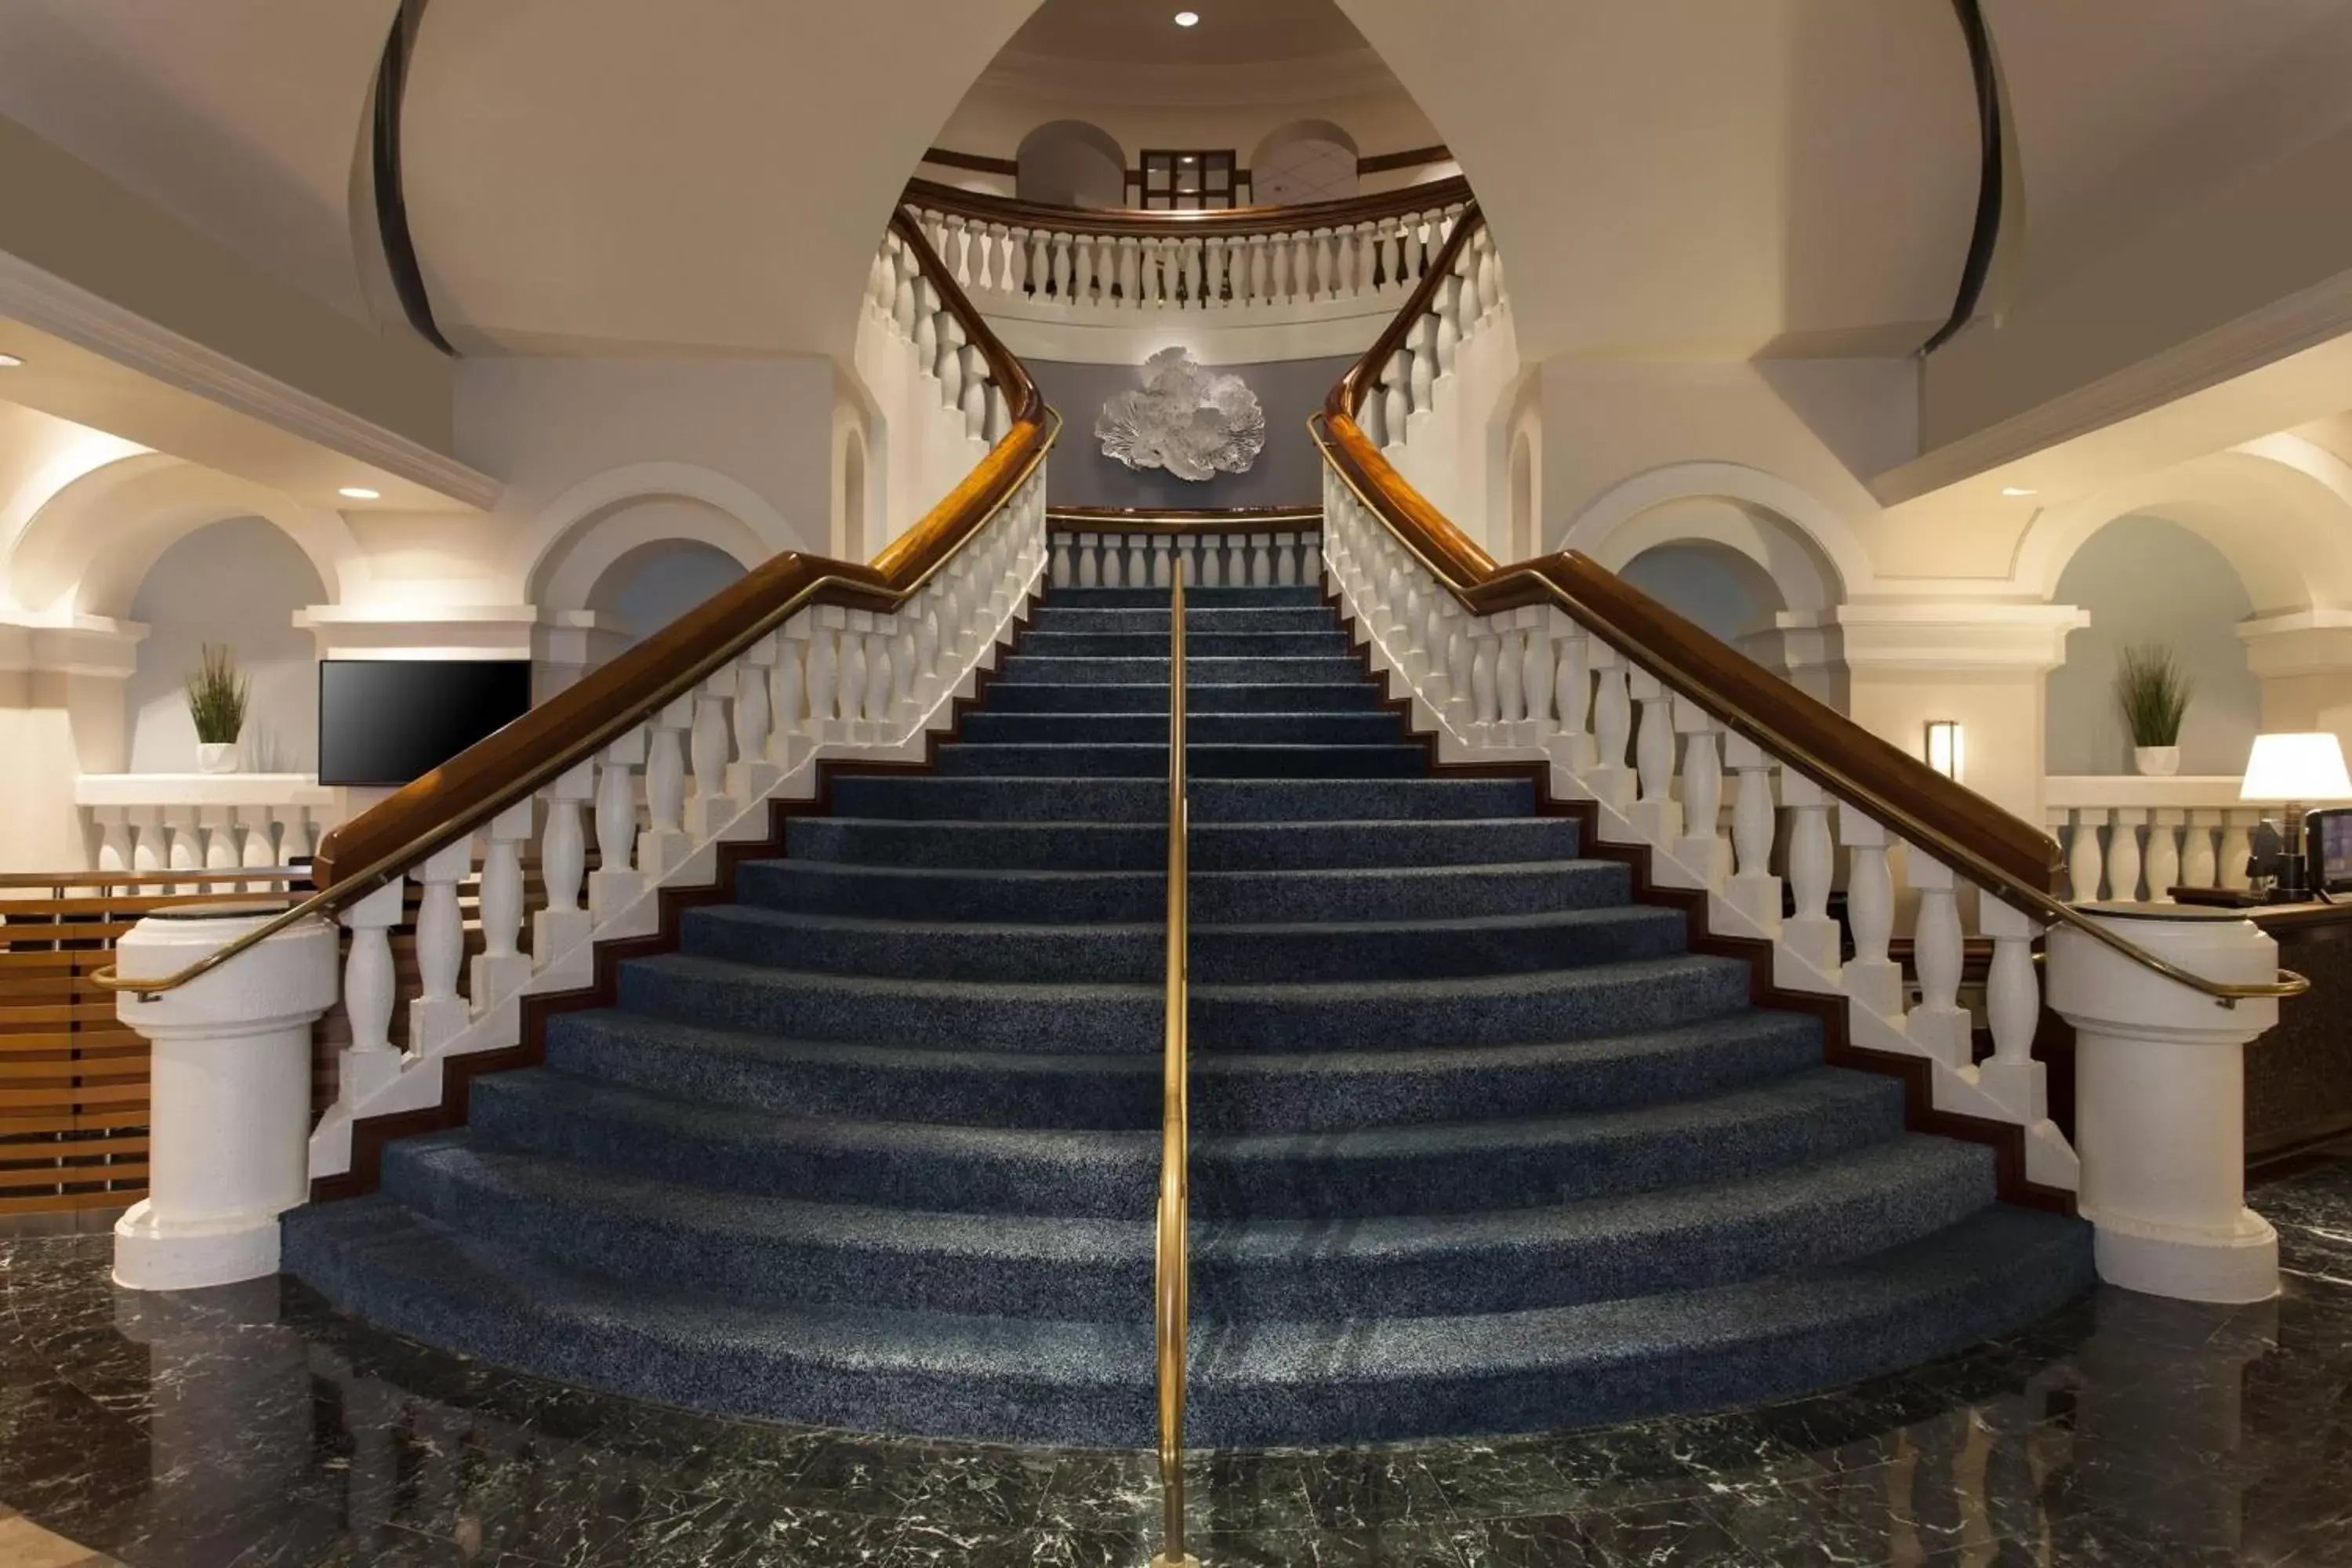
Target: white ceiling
(1231,32)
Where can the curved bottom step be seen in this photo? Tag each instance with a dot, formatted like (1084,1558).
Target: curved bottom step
(1260,1384)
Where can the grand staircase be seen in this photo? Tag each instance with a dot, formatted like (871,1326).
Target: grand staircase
(1479,1145)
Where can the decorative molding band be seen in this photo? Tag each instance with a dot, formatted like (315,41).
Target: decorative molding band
(48,303)
(2303,319)
(1411,158)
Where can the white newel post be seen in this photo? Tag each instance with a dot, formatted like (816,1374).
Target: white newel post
(230,1093)
(2159,1095)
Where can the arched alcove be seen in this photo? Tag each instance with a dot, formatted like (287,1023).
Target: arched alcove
(1071,164)
(237,584)
(1305,161)
(2148,579)
(651,585)
(1715,585)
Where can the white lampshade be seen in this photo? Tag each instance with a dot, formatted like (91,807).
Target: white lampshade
(2295,768)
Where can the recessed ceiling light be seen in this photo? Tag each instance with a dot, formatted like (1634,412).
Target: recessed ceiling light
(359,492)
(1188,19)
(9,362)
(2016,490)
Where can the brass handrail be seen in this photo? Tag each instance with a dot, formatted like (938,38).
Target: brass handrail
(1172,1282)
(385,868)
(1663,663)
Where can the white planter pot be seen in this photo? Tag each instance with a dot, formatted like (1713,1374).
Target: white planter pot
(2156,761)
(216,756)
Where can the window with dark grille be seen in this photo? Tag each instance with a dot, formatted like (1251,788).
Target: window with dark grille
(1178,181)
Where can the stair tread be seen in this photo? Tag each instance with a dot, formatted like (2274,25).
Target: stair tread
(1531,921)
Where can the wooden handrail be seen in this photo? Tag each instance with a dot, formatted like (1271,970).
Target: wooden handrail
(933,197)
(2006,857)
(573,725)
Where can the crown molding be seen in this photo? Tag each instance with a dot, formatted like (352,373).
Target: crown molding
(2303,319)
(48,303)
(1310,79)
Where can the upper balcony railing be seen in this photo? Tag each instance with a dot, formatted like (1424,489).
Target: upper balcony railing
(1358,257)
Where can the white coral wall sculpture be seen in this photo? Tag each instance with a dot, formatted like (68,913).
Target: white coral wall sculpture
(1184,419)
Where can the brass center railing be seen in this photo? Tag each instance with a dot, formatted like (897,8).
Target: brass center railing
(1172,1305)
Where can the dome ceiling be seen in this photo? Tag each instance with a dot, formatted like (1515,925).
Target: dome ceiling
(1230,32)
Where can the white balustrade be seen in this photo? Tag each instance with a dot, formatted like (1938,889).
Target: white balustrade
(1083,558)
(2130,838)
(1655,763)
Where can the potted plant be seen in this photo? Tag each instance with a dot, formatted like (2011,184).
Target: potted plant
(2153,691)
(216,702)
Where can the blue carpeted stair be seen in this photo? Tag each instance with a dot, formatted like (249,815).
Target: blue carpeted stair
(1479,1144)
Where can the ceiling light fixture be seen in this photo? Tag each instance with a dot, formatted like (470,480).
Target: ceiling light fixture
(359,492)
(9,362)
(2016,490)
(1188,19)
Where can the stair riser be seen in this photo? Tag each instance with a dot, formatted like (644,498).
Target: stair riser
(1112,1018)
(1304,596)
(1218,898)
(1031,670)
(1230,1094)
(767,1382)
(1203,762)
(1054,617)
(1106,1176)
(1138,954)
(926,798)
(1342,1405)
(1216,846)
(1205,729)
(1150,696)
(1323,642)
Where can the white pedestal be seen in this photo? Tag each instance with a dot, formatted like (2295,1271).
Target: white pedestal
(231,1093)
(2159,1092)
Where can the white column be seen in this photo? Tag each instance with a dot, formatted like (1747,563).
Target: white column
(2160,1094)
(230,1096)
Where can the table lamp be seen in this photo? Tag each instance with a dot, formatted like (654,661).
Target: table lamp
(2291,769)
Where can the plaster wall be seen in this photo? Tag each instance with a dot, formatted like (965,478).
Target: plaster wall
(1287,473)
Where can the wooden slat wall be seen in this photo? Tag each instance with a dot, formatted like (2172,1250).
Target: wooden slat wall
(73,1080)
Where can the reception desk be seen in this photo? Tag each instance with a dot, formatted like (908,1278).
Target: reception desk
(2299,1075)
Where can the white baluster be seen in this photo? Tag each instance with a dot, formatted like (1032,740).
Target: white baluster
(1164,573)
(1396,381)
(1114,565)
(1510,685)
(219,824)
(1089,569)
(1655,812)
(502,967)
(562,925)
(849,681)
(1701,848)
(1755,889)
(1214,288)
(1939,1026)
(1286,560)
(788,736)
(662,843)
(617,883)
(2013,1009)
(151,841)
(2236,846)
(1194,272)
(1534,681)
(1138,561)
(1425,365)
(2086,861)
(949,369)
(1064,572)
(711,807)
(1610,781)
(258,850)
(2199,867)
(2124,857)
(1447,335)
(753,775)
(371,1061)
(1872,979)
(1571,696)
(437,1013)
(976,392)
(1237,560)
(2164,855)
(1260,561)
(113,825)
(881,680)
(1484,708)
(187,849)
(296,828)
(1809,933)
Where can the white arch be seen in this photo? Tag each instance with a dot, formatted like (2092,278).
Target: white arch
(91,545)
(602,540)
(1809,551)
(2279,510)
(1053,162)
(758,530)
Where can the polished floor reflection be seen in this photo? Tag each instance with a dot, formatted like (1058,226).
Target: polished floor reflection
(254,1426)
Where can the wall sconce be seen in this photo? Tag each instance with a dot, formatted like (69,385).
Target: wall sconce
(1948,748)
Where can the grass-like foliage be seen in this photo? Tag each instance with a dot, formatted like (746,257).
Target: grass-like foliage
(2153,691)
(218,696)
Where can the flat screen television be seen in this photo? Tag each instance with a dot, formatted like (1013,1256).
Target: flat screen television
(389,721)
